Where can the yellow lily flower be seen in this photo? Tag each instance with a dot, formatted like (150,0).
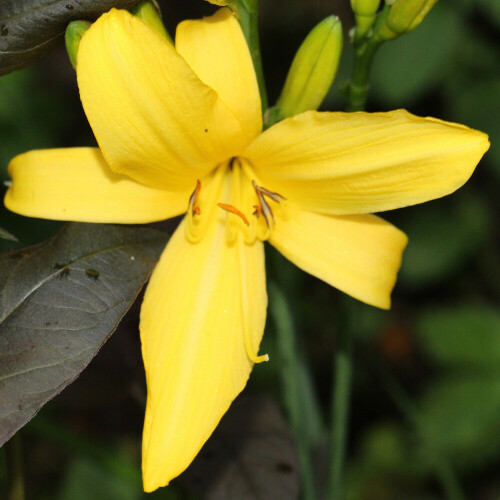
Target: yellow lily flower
(180,129)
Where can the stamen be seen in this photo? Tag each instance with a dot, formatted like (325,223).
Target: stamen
(235,211)
(193,199)
(263,208)
(274,196)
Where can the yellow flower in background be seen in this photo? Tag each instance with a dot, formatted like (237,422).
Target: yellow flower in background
(180,130)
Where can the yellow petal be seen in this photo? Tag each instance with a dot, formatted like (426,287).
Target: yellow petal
(199,302)
(358,254)
(77,184)
(216,50)
(349,163)
(154,120)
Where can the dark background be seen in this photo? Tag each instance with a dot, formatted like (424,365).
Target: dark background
(426,397)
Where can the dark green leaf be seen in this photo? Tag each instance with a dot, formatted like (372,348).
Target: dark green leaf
(464,335)
(459,420)
(251,455)
(30,28)
(6,235)
(59,302)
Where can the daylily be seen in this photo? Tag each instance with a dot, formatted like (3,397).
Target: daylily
(180,131)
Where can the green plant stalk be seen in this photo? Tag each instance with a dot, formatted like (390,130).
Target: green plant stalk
(15,472)
(358,87)
(342,383)
(246,11)
(298,394)
(356,90)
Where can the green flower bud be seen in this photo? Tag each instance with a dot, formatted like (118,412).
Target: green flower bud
(73,36)
(404,16)
(149,12)
(365,12)
(221,3)
(313,69)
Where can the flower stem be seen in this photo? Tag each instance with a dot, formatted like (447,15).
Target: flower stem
(340,411)
(15,474)
(358,87)
(246,12)
(298,393)
(356,90)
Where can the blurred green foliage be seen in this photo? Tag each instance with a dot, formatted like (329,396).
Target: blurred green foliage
(440,343)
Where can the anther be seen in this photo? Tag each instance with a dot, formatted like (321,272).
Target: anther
(193,199)
(235,211)
(274,196)
(263,207)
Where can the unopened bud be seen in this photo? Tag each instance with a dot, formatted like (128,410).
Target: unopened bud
(221,3)
(404,16)
(365,12)
(72,38)
(313,69)
(149,12)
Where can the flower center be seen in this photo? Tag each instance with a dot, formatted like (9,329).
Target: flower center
(231,195)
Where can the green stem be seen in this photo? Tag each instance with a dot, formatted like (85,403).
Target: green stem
(448,480)
(340,412)
(358,87)
(298,394)
(15,475)
(246,12)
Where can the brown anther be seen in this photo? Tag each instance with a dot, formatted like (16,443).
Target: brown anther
(270,194)
(235,211)
(263,207)
(193,199)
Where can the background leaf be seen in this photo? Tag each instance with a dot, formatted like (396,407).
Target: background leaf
(30,28)
(459,419)
(467,336)
(59,302)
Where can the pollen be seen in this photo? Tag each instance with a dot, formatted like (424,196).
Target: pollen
(235,211)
